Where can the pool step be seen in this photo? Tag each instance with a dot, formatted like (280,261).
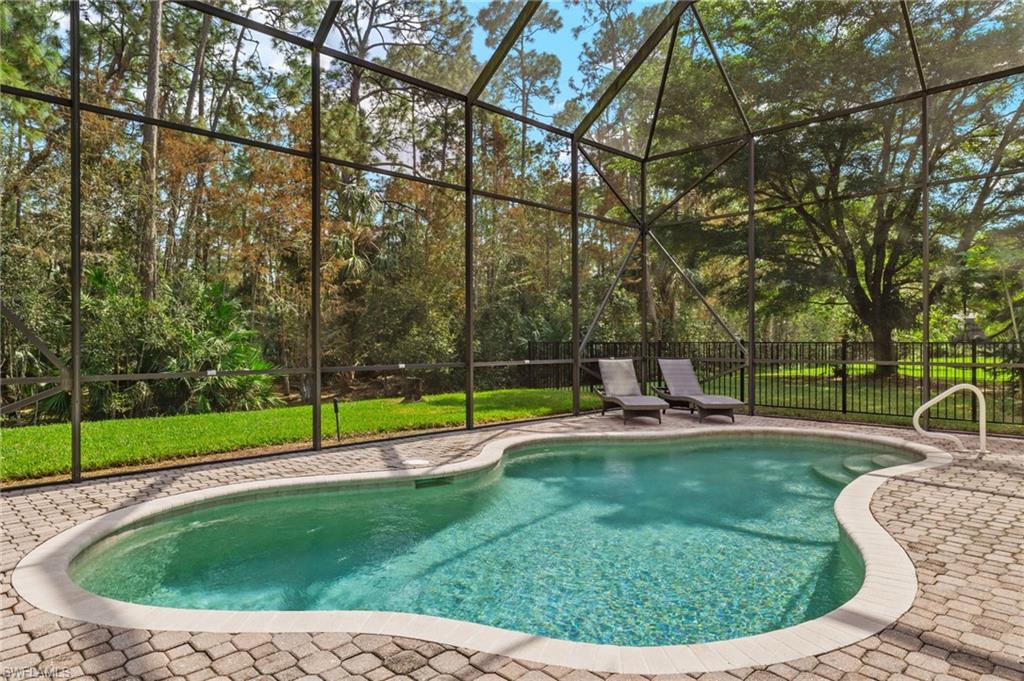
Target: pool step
(886,460)
(833,473)
(859,464)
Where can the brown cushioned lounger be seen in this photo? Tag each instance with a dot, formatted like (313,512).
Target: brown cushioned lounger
(621,389)
(683,390)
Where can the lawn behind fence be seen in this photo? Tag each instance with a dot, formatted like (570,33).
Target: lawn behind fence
(41,451)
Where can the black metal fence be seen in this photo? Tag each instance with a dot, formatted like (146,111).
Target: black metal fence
(840,377)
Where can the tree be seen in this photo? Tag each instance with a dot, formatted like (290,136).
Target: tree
(617,30)
(148,160)
(846,238)
(527,76)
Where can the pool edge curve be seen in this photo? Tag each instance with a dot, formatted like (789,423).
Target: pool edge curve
(889,587)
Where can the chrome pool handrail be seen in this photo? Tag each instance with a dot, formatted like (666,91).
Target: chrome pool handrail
(943,395)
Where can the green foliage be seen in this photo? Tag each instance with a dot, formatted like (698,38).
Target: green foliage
(196,326)
(227,228)
(33,52)
(527,76)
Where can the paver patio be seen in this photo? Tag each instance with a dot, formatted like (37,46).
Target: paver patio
(962,525)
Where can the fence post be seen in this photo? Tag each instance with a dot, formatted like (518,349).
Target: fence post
(531,353)
(659,350)
(974,378)
(844,355)
(743,377)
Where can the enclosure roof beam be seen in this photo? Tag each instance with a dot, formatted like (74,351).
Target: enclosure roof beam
(499,54)
(722,71)
(610,149)
(243,141)
(851,110)
(326,23)
(609,95)
(201,132)
(383,170)
(911,186)
(905,11)
(711,171)
(604,178)
(699,147)
(547,127)
(427,85)
(661,89)
(235,18)
(634,63)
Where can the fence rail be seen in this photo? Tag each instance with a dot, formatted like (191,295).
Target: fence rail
(842,377)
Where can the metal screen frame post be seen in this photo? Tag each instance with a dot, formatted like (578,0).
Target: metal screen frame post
(645,336)
(751,272)
(468,257)
(575,260)
(926,369)
(314,310)
(76,245)
(644,300)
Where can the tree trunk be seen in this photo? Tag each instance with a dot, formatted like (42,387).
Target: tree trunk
(177,199)
(147,209)
(884,348)
(412,390)
(197,68)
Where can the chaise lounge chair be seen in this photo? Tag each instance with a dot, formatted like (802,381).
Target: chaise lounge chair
(683,390)
(621,389)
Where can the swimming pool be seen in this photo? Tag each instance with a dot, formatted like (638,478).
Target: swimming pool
(646,542)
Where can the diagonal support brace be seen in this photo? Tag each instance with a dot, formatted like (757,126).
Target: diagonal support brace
(693,285)
(608,295)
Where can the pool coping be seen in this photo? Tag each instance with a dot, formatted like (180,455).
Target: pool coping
(889,588)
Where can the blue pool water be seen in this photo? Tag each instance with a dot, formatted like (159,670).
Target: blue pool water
(631,543)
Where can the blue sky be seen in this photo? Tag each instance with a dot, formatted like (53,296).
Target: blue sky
(561,44)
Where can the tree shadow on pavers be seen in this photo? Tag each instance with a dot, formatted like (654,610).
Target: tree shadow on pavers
(971,658)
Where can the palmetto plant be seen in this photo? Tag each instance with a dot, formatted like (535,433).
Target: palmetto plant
(191,326)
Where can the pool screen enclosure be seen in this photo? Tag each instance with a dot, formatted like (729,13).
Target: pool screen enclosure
(553,181)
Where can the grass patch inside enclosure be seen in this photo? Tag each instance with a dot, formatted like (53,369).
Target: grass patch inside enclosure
(42,451)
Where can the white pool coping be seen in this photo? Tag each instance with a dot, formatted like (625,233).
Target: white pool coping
(889,588)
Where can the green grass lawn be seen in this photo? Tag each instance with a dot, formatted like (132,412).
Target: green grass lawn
(816,393)
(41,451)
(939,372)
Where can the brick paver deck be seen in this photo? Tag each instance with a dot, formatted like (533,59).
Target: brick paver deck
(962,525)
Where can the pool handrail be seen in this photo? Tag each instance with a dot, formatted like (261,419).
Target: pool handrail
(943,395)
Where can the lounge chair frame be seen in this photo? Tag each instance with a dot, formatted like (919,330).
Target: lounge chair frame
(692,396)
(632,401)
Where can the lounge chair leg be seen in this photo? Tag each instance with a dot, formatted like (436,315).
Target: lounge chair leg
(733,417)
(659,416)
